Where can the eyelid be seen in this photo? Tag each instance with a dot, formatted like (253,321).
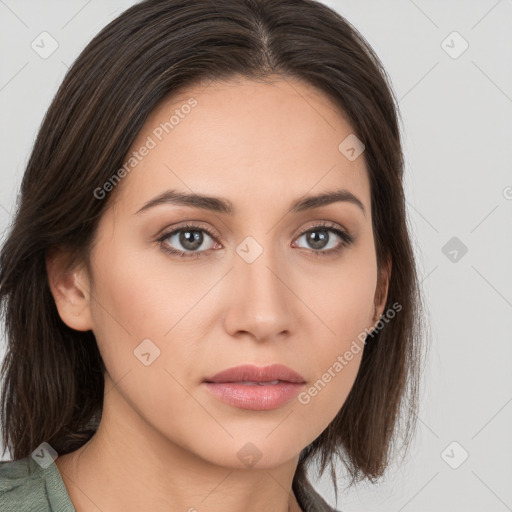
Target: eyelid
(326,224)
(189,224)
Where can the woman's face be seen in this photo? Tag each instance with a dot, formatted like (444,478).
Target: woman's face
(256,290)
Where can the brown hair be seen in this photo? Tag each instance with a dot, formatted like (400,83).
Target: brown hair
(53,375)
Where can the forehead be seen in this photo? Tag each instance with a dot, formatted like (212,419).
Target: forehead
(246,140)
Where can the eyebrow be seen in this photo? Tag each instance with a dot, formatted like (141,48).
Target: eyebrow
(222,205)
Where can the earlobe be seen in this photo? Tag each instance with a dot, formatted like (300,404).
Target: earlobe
(69,288)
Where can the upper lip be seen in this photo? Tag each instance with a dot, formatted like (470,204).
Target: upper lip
(251,373)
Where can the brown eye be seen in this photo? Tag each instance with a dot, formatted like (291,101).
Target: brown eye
(325,239)
(186,241)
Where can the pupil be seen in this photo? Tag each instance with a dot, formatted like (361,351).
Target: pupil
(318,242)
(191,240)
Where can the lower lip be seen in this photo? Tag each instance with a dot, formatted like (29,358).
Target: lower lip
(255,398)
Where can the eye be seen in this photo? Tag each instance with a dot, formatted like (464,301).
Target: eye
(190,237)
(319,239)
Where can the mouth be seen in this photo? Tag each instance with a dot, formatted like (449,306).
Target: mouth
(255,388)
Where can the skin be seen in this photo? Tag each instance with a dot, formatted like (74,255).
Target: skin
(164,442)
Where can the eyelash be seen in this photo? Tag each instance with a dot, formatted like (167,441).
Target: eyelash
(346,239)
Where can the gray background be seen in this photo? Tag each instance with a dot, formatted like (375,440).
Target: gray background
(457,116)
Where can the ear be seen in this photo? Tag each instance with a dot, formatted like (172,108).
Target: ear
(70,290)
(381,292)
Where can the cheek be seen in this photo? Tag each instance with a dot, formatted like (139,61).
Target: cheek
(123,304)
(342,299)
(344,308)
(133,312)
(135,293)
(324,397)
(336,359)
(139,296)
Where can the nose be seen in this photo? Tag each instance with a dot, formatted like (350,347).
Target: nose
(261,299)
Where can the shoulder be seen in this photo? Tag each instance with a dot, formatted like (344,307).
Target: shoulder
(25,486)
(21,486)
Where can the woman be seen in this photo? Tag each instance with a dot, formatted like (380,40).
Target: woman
(202,167)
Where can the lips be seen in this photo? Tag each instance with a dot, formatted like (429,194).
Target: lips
(255,388)
(254,375)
